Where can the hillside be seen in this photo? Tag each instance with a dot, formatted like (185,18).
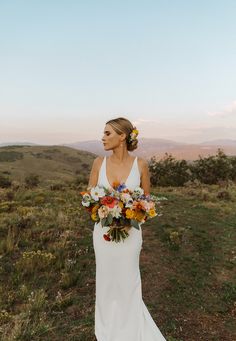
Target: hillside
(51,163)
(47,265)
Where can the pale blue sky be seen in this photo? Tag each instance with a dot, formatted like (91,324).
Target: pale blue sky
(66,67)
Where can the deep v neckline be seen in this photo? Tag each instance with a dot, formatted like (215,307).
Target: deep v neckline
(127,177)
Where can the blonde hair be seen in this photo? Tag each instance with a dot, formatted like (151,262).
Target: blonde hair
(122,125)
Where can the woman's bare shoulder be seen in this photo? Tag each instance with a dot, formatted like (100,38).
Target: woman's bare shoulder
(97,162)
(142,164)
(142,161)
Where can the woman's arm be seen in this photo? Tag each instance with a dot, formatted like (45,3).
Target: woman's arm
(93,177)
(145,177)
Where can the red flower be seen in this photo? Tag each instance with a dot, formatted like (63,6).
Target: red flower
(106,237)
(109,201)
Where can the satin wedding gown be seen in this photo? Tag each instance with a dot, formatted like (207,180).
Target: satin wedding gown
(120,312)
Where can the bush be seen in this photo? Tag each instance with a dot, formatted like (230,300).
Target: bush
(233,168)
(32,180)
(57,186)
(215,169)
(10,156)
(4,182)
(210,170)
(168,171)
(80,180)
(224,195)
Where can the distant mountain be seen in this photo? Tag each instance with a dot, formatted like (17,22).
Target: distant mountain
(18,144)
(220,142)
(148,147)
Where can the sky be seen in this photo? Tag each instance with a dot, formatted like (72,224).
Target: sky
(67,67)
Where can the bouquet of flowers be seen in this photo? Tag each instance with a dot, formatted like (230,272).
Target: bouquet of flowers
(119,208)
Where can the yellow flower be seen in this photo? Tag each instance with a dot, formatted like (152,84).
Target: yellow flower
(139,215)
(94,216)
(121,204)
(135,131)
(95,208)
(152,213)
(129,214)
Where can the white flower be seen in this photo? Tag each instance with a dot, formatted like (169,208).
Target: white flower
(125,196)
(129,203)
(138,191)
(97,192)
(115,211)
(86,200)
(127,199)
(133,135)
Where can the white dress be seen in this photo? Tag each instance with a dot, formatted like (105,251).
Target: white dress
(120,312)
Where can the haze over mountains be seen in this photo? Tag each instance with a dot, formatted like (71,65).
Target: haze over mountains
(148,147)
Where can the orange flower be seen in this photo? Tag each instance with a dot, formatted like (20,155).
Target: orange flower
(126,190)
(109,201)
(139,215)
(115,184)
(139,206)
(83,193)
(95,208)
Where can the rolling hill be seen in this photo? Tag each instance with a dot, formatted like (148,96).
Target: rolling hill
(51,163)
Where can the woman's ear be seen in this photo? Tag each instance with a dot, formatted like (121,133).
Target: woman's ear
(123,135)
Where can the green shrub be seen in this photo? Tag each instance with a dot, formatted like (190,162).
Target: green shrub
(4,182)
(6,156)
(32,180)
(57,186)
(212,169)
(168,171)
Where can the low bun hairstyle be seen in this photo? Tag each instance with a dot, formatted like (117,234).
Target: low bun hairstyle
(122,125)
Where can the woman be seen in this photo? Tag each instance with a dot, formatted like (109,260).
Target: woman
(120,313)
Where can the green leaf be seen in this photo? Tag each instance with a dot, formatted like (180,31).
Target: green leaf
(134,223)
(103,221)
(109,219)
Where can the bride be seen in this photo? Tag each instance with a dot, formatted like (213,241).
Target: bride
(120,312)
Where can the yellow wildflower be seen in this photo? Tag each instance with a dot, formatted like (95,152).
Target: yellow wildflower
(121,204)
(94,216)
(152,213)
(129,214)
(139,215)
(95,208)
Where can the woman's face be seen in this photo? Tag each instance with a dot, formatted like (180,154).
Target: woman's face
(110,138)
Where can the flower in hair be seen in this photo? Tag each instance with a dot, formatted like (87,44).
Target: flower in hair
(133,135)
